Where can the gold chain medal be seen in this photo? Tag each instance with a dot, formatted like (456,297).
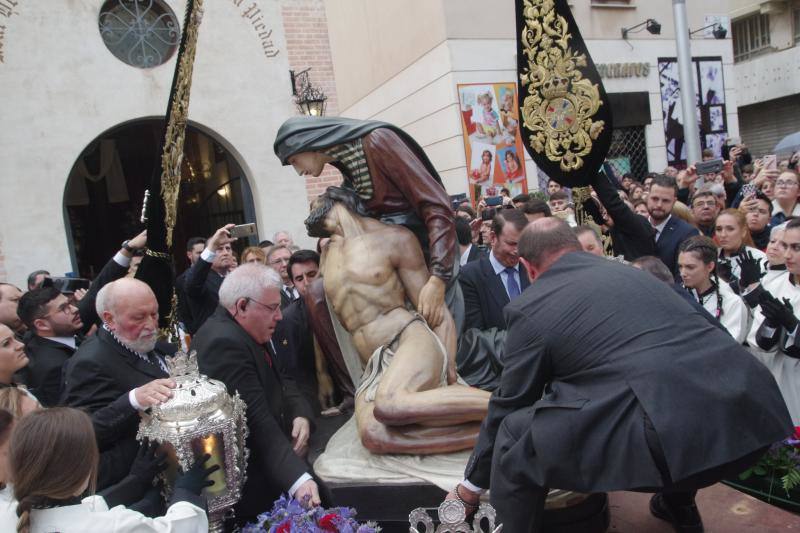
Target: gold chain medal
(566,116)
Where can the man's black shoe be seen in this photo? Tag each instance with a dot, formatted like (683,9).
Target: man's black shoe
(684,518)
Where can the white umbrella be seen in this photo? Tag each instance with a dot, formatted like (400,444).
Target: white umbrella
(790,143)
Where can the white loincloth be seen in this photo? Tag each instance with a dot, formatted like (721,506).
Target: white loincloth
(382,357)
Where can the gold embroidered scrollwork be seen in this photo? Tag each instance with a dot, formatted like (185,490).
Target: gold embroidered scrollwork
(560,103)
(172,157)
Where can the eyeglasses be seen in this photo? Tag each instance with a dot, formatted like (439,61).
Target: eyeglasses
(709,203)
(271,308)
(785,183)
(279,261)
(65,308)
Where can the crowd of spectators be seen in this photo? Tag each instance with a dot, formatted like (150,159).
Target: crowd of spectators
(728,242)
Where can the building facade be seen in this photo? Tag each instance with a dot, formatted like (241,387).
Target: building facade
(407,61)
(85,87)
(766,35)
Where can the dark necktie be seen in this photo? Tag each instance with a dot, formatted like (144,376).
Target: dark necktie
(268,357)
(513,286)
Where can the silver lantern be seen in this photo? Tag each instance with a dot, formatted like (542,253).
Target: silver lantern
(201,418)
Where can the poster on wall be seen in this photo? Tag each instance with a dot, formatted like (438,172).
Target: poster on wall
(492,143)
(709,92)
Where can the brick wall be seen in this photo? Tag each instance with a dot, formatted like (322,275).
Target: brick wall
(306,29)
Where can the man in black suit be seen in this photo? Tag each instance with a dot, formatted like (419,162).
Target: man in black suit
(278,258)
(119,372)
(52,325)
(233,347)
(613,382)
(671,231)
(194,247)
(632,235)
(495,279)
(202,281)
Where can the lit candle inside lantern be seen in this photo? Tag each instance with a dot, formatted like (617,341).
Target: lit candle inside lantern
(215,449)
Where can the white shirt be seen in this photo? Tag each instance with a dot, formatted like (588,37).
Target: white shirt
(463,260)
(68,341)
(93,515)
(735,315)
(8,510)
(499,268)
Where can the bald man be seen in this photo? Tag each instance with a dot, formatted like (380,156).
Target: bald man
(119,372)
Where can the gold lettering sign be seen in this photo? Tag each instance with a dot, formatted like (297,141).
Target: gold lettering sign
(623,70)
(560,103)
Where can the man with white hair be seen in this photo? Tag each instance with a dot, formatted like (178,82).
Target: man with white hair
(233,346)
(283,238)
(119,372)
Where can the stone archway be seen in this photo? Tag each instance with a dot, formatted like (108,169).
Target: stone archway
(105,191)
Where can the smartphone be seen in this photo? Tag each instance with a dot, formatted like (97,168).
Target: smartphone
(712,166)
(770,162)
(243,230)
(494,201)
(66,285)
(748,189)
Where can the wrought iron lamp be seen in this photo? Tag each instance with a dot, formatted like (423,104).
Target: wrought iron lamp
(719,31)
(310,100)
(201,418)
(651,25)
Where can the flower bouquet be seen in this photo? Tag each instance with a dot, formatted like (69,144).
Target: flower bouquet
(775,478)
(290,516)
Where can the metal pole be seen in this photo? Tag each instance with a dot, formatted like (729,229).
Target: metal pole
(691,133)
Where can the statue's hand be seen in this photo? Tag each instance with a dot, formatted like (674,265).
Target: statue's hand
(431,301)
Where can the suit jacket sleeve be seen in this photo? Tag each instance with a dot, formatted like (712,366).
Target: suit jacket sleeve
(195,280)
(525,373)
(399,164)
(296,404)
(473,316)
(111,271)
(234,365)
(625,220)
(87,386)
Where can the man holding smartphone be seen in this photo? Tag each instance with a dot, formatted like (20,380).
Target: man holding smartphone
(204,278)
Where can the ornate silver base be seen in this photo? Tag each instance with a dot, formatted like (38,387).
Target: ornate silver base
(452,516)
(216,521)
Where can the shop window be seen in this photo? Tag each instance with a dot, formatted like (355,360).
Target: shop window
(628,152)
(750,37)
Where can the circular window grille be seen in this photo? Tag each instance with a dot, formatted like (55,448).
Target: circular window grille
(141,33)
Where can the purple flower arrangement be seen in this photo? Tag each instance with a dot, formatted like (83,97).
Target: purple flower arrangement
(290,516)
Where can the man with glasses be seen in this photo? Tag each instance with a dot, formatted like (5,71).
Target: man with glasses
(278,258)
(203,279)
(705,209)
(53,322)
(234,346)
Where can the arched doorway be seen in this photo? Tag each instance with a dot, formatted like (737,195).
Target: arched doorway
(105,191)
